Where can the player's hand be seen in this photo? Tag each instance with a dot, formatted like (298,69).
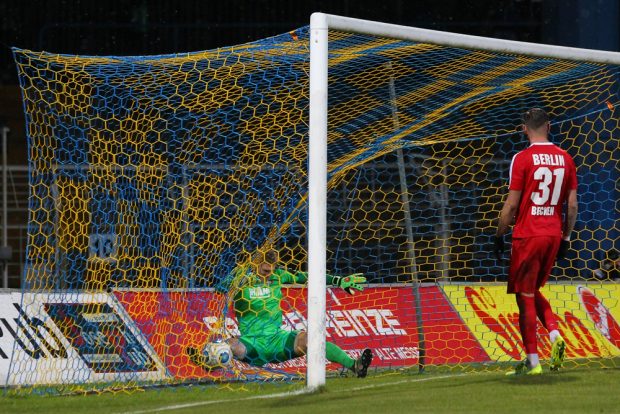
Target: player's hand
(348,283)
(499,247)
(563,250)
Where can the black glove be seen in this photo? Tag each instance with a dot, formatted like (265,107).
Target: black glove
(564,245)
(499,247)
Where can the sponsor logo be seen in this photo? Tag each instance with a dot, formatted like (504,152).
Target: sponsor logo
(600,315)
(505,325)
(62,338)
(259,292)
(340,323)
(100,337)
(32,336)
(383,356)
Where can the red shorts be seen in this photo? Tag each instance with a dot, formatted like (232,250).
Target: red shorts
(531,263)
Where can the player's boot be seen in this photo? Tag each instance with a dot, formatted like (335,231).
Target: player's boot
(362,363)
(523,368)
(557,354)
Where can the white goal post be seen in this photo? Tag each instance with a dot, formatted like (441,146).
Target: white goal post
(320,24)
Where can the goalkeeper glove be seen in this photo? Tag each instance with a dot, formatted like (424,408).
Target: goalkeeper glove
(563,250)
(347,283)
(499,247)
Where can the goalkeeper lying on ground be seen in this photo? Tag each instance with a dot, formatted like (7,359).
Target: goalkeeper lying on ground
(257,306)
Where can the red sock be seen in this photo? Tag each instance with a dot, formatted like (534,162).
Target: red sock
(543,310)
(527,322)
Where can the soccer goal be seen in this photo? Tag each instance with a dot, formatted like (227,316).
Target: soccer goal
(461,96)
(160,186)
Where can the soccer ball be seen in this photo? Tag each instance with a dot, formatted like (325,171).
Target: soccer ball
(217,354)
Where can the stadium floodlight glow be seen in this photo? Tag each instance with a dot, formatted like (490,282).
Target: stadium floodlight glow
(320,24)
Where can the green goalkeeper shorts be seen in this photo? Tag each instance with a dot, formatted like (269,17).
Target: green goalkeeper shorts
(263,349)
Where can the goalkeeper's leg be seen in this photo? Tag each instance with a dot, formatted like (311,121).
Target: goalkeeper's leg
(334,353)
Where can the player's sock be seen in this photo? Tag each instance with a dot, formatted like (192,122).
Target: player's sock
(553,335)
(546,315)
(527,322)
(533,360)
(334,353)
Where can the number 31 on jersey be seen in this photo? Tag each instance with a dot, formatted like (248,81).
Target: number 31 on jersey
(547,187)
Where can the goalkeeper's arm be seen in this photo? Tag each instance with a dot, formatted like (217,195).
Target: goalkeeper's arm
(347,283)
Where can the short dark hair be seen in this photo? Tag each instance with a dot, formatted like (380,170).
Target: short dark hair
(535,118)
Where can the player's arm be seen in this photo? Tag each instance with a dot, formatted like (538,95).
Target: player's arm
(569,222)
(506,217)
(511,205)
(347,283)
(572,208)
(571,214)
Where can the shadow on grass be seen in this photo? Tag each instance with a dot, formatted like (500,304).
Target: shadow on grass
(466,381)
(308,399)
(548,378)
(544,379)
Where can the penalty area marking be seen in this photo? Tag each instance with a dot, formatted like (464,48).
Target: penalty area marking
(282,395)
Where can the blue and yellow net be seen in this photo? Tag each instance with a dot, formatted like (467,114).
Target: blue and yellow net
(154,178)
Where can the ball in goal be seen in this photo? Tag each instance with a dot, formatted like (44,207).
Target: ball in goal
(217,354)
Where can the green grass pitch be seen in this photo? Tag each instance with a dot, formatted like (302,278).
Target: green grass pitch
(580,391)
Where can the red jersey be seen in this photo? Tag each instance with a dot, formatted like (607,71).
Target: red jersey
(544,174)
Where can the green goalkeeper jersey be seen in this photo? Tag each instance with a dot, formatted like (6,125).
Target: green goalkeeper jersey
(258,305)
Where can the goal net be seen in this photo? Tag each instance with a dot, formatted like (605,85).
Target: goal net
(158,182)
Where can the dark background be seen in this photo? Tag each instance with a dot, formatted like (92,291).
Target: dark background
(139,27)
(122,27)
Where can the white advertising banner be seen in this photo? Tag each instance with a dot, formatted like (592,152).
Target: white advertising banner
(71,338)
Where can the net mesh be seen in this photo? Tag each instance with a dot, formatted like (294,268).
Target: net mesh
(156,180)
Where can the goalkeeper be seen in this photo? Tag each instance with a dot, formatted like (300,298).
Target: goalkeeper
(258,309)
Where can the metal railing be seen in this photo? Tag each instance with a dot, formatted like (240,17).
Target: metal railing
(15,221)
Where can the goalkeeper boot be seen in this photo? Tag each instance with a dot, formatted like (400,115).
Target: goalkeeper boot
(360,367)
(557,354)
(523,368)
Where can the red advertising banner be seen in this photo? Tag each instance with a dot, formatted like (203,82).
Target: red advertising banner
(380,318)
